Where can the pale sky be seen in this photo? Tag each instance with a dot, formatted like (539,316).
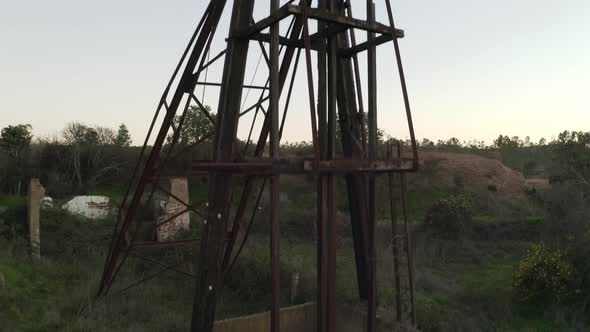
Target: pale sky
(475,69)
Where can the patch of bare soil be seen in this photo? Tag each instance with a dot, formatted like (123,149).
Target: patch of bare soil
(474,173)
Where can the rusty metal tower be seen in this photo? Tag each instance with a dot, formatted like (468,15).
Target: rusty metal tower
(335,100)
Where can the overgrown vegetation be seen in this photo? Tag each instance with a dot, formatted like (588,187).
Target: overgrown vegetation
(543,276)
(450,217)
(514,268)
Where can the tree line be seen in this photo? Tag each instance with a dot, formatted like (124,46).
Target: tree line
(80,158)
(84,156)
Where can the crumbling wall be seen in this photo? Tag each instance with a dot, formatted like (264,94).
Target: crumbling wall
(171,220)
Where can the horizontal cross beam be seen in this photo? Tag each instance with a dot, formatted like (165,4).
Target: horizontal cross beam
(349,22)
(262,166)
(348,52)
(264,23)
(243,86)
(320,15)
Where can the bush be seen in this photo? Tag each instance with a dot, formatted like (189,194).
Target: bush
(449,216)
(13,223)
(578,254)
(543,275)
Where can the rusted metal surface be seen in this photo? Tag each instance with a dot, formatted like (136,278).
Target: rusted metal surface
(210,281)
(275,319)
(372,154)
(121,231)
(351,23)
(394,242)
(408,238)
(404,87)
(260,166)
(339,108)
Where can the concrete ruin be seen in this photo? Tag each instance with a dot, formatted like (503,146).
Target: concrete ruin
(36,192)
(171,219)
(90,207)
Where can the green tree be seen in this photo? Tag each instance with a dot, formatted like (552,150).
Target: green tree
(454,142)
(76,133)
(572,156)
(105,136)
(510,149)
(507,143)
(196,126)
(90,157)
(122,138)
(426,143)
(16,139)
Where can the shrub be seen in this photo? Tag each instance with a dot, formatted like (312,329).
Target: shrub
(543,275)
(13,223)
(578,254)
(449,216)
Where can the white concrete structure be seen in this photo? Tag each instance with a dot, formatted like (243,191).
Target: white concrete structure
(91,207)
(46,202)
(171,219)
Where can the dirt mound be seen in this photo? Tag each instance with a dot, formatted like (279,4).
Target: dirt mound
(474,173)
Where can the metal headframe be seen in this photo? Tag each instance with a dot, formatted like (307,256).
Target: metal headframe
(335,99)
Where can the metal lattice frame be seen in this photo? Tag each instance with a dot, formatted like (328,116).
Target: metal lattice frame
(339,103)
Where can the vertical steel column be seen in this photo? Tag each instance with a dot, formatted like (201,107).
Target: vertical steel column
(357,79)
(275,318)
(353,145)
(331,141)
(322,182)
(372,98)
(402,79)
(394,241)
(408,241)
(210,277)
(264,134)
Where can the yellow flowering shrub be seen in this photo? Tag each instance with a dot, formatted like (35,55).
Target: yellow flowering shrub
(543,275)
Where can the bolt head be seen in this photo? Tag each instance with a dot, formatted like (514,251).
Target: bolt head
(219,216)
(210,288)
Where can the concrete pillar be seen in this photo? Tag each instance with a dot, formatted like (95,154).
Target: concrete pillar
(36,192)
(171,207)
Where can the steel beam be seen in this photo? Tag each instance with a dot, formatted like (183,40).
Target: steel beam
(323,15)
(210,274)
(322,191)
(273,111)
(348,52)
(372,125)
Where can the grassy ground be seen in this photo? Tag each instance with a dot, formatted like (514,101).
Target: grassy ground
(10,201)
(461,285)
